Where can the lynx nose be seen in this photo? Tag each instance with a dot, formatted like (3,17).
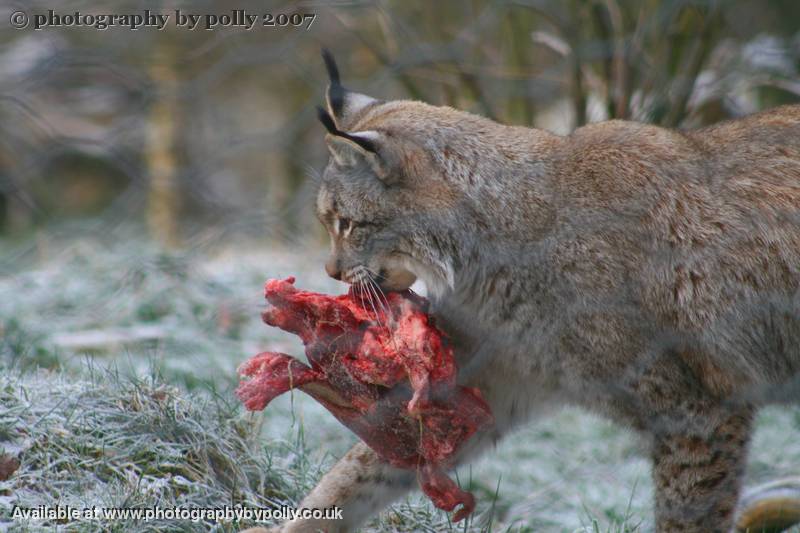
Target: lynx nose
(333,268)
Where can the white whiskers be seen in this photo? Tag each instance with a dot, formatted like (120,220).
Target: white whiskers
(369,293)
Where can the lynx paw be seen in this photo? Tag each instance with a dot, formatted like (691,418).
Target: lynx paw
(770,508)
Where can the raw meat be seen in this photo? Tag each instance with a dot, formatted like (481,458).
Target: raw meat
(385,372)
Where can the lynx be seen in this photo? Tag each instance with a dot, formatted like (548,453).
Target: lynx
(646,274)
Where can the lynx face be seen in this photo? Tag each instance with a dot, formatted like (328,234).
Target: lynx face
(384,198)
(365,228)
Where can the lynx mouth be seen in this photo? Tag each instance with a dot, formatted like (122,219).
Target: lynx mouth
(359,275)
(364,277)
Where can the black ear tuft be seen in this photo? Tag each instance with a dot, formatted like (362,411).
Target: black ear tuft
(336,92)
(327,121)
(330,65)
(330,125)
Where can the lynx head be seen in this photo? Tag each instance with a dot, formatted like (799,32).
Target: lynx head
(380,197)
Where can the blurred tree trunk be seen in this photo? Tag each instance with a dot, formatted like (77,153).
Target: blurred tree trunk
(17,208)
(696,56)
(285,185)
(520,107)
(576,41)
(163,203)
(611,30)
(5,193)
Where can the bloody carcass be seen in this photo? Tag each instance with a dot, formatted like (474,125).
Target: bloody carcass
(383,369)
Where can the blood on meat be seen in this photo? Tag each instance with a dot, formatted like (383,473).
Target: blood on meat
(386,372)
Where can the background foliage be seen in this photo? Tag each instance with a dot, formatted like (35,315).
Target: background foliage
(182,129)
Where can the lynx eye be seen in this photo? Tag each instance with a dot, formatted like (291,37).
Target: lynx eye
(345,225)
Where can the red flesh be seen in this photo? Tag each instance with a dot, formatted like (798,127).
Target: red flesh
(390,378)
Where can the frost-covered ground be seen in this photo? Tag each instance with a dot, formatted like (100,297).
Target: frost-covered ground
(117,366)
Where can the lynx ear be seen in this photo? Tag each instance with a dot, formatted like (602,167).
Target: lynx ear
(348,149)
(343,104)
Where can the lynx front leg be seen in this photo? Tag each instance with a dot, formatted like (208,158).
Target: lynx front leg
(698,475)
(360,484)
